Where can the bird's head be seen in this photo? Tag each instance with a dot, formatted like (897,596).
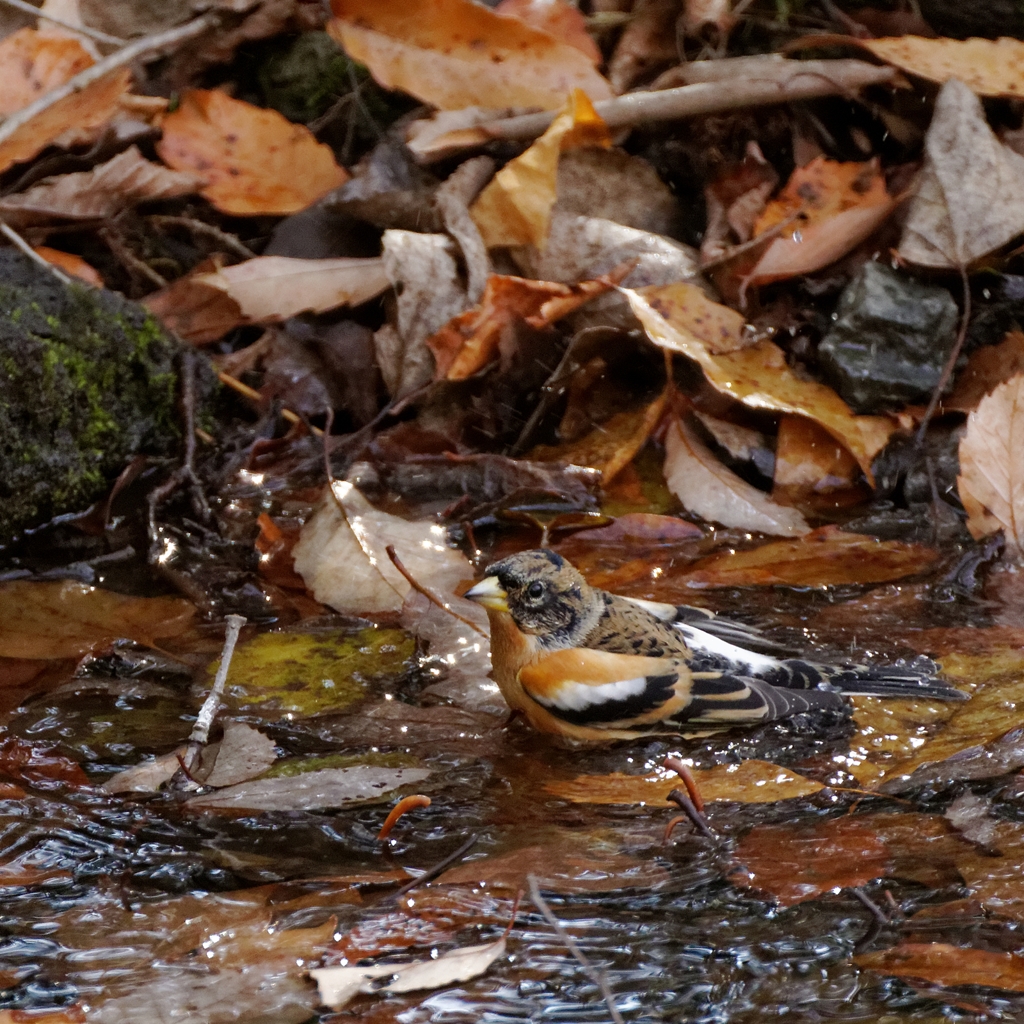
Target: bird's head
(545,595)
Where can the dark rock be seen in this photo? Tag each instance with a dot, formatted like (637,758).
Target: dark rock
(87,379)
(890,341)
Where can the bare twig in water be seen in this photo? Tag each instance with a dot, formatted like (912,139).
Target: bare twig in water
(140,48)
(427,592)
(592,972)
(433,872)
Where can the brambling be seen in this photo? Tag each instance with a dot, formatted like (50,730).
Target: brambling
(588,665)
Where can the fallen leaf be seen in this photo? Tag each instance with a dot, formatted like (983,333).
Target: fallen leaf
(147,776)
(750,782)
(991,480)
(990,67)
(70,264)
(107,189)
(310,791)
(734,201)
(342,556)
(827,556)
(338,985)
(87,109)
(647,44)
(558,18)
(456,53)
(67,619)
(686,306)
(986,367)
(949,966)
(253,160)
(268,289)
(515,207)
(33,763)
(709,489)
(759,378)
(839,205)
(809,461)
(969,199)
(422,270)
(32,63)
(242,754)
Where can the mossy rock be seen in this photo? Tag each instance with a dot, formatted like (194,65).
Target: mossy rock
(87,379)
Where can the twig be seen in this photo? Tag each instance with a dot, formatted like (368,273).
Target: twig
(102,68)
(117,246)
(18,242)
(595,974)
(199,227)
(738,250)
(438,868)
(253,395)
(427,592)
(708,98)
(83,30)
(947,370)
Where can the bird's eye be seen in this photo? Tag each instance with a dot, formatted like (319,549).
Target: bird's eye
(535,589)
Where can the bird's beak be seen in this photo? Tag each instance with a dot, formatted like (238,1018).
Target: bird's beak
(490,593)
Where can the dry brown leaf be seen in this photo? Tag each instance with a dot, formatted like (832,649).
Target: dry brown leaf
(253,160)
(647,44)
(70,264)
(759,377)
(991,67)
(941,964)
(839,205)
(558,18)
(808,460)
(33,62)
(750,782)
(203,307)
(714,492)
(67,620)
(699,15)
(969,199)
(719,328)
(515,207)
(456,53)
(84,110)
(127,179)
(991,480)
(986,367)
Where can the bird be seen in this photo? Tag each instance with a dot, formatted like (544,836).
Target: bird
(587,665)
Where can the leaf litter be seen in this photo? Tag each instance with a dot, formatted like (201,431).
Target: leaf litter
(511,392)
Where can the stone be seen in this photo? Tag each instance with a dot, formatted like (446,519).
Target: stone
(87,379)
(891,338)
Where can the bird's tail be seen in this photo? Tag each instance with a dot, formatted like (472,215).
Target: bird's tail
(873,680)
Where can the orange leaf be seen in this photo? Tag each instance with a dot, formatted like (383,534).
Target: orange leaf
(254,160)
(986,368)
(558,18)
(840,205)
(456,53)
(942,964)
(71,264)
(808,460)
(32,63)
(720,328)
(89,108)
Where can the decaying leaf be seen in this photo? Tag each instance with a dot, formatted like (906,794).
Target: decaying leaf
(125,180)
(338,985)
(67,619)
(809,461)
(268,289)
(711,490)
(70,264)
(343,560)
(970,195)
(986,367)
(686,306)
(515,208)
(243,753)
(991,480)
(456,53)
(837,206)
(990,67)
(760,378)
(559,18)
(34,62)
(750,782)
(938,963)
(253,160)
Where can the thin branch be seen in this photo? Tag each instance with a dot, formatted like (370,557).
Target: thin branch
(18,242)
(199,227)
(427,592)
(947,370)
(433,872)
(102,68)
(595,974)
(82,30)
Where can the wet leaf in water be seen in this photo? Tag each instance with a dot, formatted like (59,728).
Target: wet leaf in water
(253,160)
(454,54)
(242,754)
(288,674)
(67,620)
(949,966)
(34,763)
(751,782)
(311,791)
(810,462)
